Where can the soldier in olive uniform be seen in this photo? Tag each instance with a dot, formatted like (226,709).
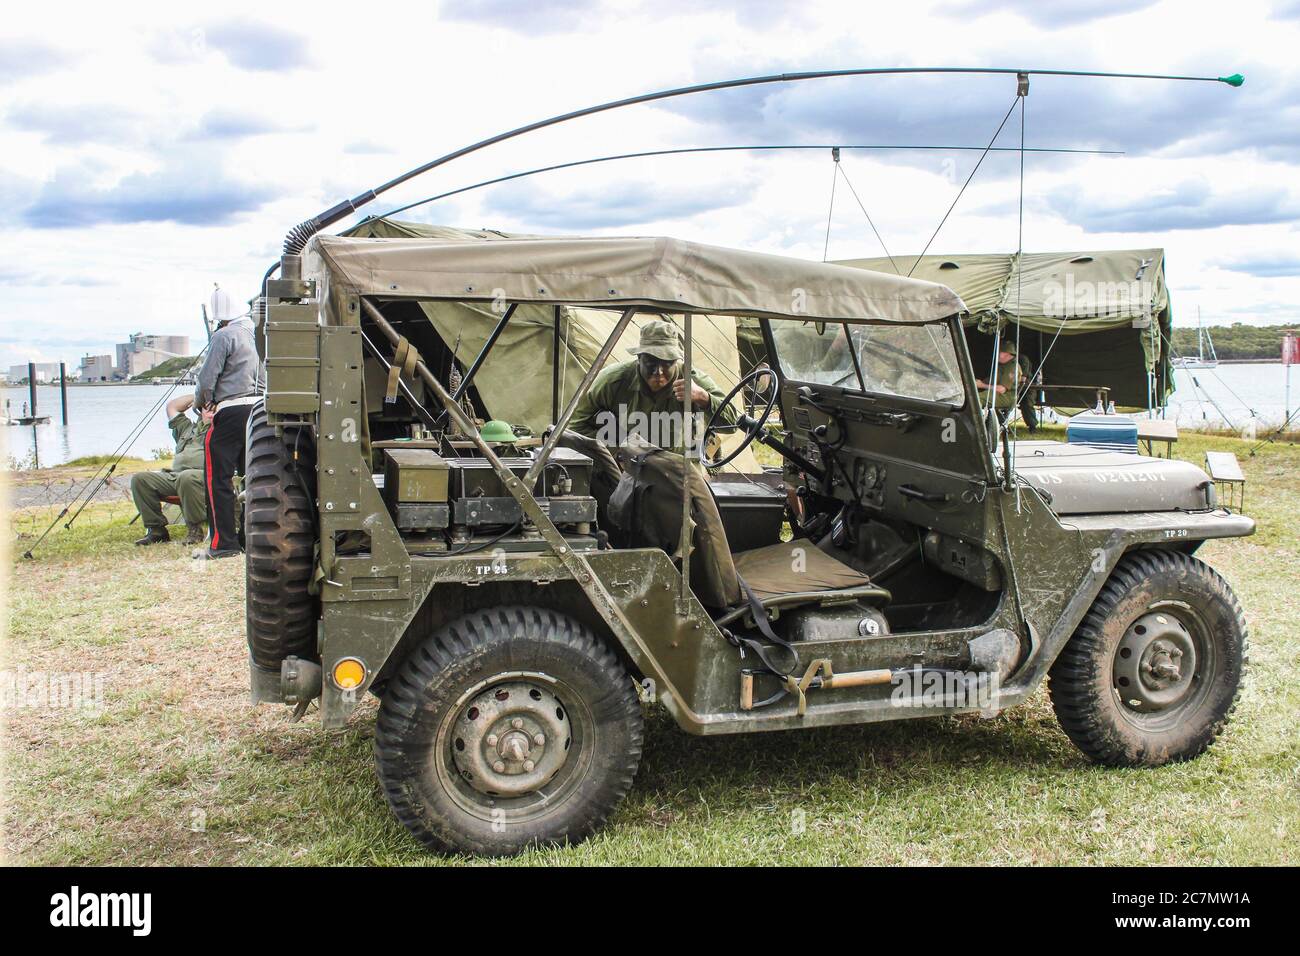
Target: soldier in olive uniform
(644,396)
(1012,377)
(184,479)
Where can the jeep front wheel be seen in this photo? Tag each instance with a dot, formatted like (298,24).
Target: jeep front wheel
(1152,673)
(508,728)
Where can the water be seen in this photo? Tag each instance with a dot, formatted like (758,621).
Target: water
(101,416)
(99,419)
(1238,389)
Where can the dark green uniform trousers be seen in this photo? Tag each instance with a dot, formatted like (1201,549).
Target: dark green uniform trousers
(148,488)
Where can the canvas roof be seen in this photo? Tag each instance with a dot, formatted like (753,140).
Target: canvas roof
(656,273)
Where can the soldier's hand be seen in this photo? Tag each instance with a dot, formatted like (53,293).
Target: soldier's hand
(698,395)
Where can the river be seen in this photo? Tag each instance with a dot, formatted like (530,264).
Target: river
(101,417)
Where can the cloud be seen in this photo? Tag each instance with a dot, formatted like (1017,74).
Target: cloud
(20,59)
(111,125)
(752,14)
(41,280)
(559,16)
(367,147)
(1270,312)
(250,45)
(190,193)
(524,16)
(1137,116)
(612,206)
(79,124)
(1050,14)
(1190,204)
(232,124)
(1274,266)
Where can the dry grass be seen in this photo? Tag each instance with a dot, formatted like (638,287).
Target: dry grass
(178,768)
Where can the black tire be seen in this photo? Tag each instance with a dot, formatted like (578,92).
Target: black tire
(1123,688)
(447,716)
(280,541)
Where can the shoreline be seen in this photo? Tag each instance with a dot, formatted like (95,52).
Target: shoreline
(1247,361)
(72,384)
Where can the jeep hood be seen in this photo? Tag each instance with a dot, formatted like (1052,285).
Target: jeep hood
(1080,480)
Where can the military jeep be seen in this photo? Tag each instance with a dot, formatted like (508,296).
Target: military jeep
(907,559)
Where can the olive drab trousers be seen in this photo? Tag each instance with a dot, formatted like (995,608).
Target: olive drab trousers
(148,488)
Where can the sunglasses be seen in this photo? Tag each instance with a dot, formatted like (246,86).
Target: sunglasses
(651,365)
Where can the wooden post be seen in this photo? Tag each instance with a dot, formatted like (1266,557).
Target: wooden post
(31,387)
(63,390)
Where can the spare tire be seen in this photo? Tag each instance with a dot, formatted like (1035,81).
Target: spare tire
(280,541)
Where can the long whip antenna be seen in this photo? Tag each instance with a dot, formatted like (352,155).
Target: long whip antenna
(298,237)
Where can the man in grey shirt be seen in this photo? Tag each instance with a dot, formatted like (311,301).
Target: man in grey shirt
(229,383)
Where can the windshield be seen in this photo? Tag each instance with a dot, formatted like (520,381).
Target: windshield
(913,361)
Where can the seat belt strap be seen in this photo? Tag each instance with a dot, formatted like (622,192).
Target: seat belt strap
(764,626)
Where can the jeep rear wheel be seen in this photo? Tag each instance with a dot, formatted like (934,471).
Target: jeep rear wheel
(280,542)
(1152,674)
(507,728)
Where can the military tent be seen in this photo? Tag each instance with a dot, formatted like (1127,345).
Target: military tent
(1110,310)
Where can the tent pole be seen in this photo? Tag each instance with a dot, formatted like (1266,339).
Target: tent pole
(688,419)
(555,369)
(483,352)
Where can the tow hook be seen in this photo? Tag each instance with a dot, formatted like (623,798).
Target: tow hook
(300,684)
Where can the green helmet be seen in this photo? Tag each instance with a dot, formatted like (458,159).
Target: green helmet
(497,432)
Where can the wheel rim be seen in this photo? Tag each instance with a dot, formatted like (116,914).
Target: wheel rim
(514,746)
(1160,665)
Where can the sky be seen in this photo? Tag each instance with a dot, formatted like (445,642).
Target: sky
(150,150)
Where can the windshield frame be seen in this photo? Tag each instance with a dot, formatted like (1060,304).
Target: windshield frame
(860,387)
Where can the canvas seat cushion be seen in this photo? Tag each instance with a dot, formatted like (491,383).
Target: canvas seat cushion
(790,567)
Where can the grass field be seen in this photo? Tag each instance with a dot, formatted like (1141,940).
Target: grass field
(176,767)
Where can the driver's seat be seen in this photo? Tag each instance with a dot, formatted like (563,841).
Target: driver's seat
(794,567)
(647,506)
(793,573)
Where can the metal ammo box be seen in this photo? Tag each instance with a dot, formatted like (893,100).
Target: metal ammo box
(479,498)
(415,488)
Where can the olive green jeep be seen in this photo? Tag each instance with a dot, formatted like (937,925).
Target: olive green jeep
(514,601)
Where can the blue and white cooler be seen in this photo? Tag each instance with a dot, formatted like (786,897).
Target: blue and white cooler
(1103,430)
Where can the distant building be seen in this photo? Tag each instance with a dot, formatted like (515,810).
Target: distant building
(96,368)
(143,352)
(46,372)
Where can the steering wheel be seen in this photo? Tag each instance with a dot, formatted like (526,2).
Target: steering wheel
(753,426)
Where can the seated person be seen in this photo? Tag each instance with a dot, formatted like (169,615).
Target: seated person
(644,397)
(184,479)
